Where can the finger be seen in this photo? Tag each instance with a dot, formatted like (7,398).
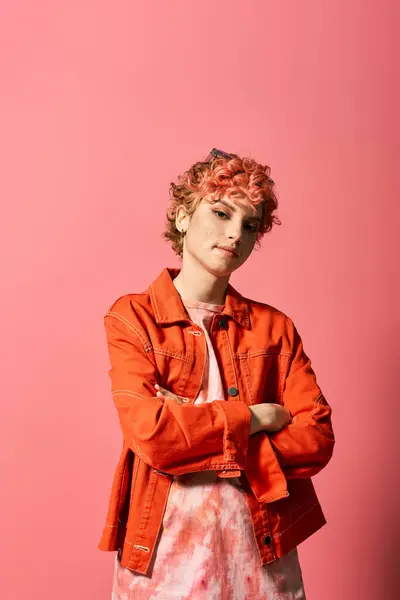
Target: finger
(162,396)
(163,390)
(166,392)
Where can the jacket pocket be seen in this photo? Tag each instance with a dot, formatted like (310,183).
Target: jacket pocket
(262,373)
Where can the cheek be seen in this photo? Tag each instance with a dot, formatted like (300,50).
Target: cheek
(206,233)
(247,249)
(202,240)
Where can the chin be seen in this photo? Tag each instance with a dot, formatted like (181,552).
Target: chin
(222,270)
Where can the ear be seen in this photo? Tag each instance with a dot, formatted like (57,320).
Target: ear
(181,218)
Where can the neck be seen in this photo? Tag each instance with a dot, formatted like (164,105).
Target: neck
(203,286)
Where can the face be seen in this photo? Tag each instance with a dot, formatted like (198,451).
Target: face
(226,222)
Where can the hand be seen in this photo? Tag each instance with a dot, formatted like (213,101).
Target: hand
(164,393)
(269,417)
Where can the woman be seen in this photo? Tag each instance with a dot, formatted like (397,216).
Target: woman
(223,421)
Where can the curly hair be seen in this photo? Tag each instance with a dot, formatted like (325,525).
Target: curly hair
(220,177)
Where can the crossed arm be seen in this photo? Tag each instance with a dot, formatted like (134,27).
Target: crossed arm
(178,438)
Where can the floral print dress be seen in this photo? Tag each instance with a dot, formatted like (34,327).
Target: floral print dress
(206,549)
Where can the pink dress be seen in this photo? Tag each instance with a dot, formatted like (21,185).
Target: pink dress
(207,549)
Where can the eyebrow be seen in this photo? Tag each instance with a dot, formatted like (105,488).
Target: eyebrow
(232,208)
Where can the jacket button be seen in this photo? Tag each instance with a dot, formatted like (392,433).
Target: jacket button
(223,323)
(267,540)
(232,391)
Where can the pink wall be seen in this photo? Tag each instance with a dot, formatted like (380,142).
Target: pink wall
(101,105)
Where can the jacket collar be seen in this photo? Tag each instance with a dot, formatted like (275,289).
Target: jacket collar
(168,307)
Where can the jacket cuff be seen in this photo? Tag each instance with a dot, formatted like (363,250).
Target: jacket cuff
(263,470)
(237,430)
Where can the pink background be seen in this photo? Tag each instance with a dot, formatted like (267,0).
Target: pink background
(102,104)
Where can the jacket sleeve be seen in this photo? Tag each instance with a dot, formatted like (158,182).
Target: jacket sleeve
(170,437)
(305,445)
(302,448)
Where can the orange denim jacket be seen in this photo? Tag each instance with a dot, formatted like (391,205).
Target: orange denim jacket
(151,339)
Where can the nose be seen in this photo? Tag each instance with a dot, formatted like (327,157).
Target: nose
(234,231)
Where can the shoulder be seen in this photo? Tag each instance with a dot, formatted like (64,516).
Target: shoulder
(128,305)
(270,313)
(133,311)
(278,324)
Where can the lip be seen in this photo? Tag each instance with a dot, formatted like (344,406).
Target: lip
(227,251)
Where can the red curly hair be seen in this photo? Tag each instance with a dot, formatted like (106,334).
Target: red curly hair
(222,176)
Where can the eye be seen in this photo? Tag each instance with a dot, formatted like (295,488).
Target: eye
(220,211)
(251,227)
